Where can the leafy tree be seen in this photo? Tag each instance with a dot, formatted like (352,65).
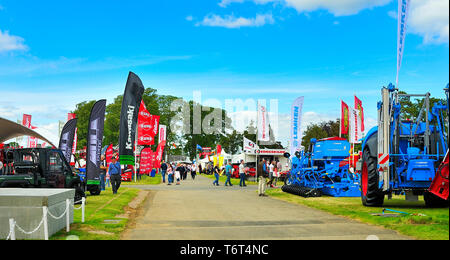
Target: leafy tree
(320,131)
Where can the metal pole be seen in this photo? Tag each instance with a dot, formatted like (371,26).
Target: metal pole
(12,229)
(67,215)
(83,205)
(427,122)
(44,213)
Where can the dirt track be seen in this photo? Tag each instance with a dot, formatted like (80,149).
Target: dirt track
(196,210)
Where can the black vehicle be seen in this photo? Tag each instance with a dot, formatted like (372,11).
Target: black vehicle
(39,168)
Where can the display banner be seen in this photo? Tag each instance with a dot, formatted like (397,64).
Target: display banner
(355,134)
(249,146)
(145,126)
(296,125)
(132,98)
(109,154)
(32,142)
(75,138)
(26,121)
(344,118)
(163,133)
(94,141)
(403,6)
(67,138)
(359,107)
(146,164)
(159,154)
(263,124)
(155,124)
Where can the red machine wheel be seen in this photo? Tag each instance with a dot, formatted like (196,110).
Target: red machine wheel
(371,195)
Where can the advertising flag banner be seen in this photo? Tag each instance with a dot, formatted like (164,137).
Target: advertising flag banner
(296,124)
(359,107)
(94,141)
(355,134)
(155,123)
(163,133)
(145,126)
(75,138)
(263,124)
(249,146)
(145,165)
(132,98)
(32,142)
(344,118)
(109,154)
(403,6)
(26,121)
(67,137)
(159,154)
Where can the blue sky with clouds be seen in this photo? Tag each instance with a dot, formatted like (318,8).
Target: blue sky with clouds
(55,54)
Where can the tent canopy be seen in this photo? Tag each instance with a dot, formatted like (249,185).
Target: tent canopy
(10,130)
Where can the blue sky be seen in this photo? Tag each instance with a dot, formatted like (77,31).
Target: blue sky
(55,54)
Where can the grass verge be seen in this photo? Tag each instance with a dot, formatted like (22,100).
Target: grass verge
(106,217)
(424,223)
(145,180)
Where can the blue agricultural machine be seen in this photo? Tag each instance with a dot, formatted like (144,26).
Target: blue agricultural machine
(401,156)
(324,169)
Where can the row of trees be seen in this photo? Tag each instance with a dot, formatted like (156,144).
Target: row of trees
(185,141)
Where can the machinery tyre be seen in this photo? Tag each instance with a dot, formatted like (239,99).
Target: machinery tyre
(79,194)
(432,201)
(371,195)
(94,190)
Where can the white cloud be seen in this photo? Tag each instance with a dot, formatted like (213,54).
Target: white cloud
(232,22)
(337,8)
(225,3)
(11,43)
(429,18)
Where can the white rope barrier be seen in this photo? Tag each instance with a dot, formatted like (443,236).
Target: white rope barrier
(45,213)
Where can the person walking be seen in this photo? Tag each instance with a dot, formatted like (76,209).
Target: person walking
(262,175)
(193,171)
(242,174)
(169,175)
(163,170)
(228,172)
(107,179)
(216,171)
(102,172)
(279,169)
(271,177)
(178,173)
(115,174)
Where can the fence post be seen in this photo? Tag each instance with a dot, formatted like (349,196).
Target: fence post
(67,215)
(83,203)
(12,229)
(44,209)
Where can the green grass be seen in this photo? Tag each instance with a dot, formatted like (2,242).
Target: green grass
(145,180)
(106,206)
(424,224)
(234,181)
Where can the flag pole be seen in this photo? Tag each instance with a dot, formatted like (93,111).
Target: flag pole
(340,123)
(257,146)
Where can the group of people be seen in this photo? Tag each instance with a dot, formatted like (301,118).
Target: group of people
(268,173)
(177,172)
(270,170)
(110,174)
(228,170)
